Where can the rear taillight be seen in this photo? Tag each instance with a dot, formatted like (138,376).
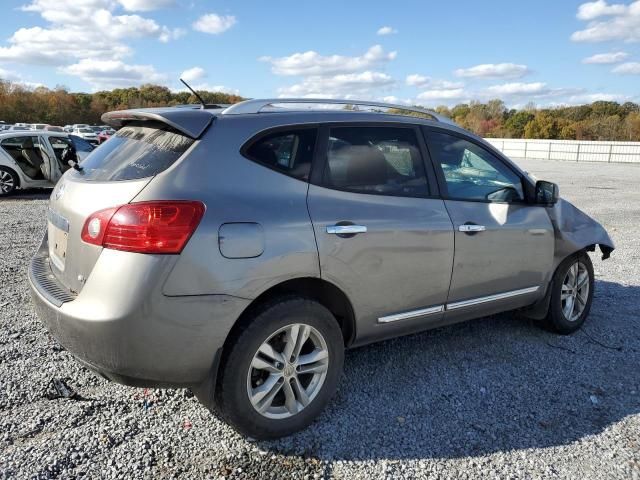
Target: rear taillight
(145,227)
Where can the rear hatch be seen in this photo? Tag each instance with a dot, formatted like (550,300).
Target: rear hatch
(112,175)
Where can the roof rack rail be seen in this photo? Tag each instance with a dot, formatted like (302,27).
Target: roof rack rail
(257,105)
(207,106)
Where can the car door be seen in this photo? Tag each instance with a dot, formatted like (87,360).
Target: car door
(383,235)
(503,245)
(54,147)
(27,158)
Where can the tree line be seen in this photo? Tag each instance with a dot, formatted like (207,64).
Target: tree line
(602,120)
(58,106)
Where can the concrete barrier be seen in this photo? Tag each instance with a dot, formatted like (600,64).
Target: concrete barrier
(569,150)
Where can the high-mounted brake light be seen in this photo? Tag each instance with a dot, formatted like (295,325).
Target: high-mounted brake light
(144,227)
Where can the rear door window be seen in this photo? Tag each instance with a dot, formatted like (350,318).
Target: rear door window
(289,152)
(137,150)
(375,160)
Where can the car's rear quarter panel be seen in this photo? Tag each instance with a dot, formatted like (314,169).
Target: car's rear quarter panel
(235,189)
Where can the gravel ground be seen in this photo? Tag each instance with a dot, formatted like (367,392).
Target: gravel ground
(495,397)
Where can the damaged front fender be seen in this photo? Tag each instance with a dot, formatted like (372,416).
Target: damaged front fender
(575,231)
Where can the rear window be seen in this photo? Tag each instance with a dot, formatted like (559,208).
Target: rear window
(136,151)
(287,151)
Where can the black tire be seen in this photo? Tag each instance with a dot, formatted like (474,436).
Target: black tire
(9,181)
(556,319)
(232,397)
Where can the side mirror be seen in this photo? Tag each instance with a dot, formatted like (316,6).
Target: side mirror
(547,193)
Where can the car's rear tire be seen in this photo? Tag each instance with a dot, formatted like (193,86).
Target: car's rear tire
(280,371)
(8,181)
(571,294)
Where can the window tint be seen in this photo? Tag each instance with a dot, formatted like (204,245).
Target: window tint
(136,151)
(377,160)
(288,151)
(471,172)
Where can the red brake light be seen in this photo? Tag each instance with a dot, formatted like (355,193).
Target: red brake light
(144,227)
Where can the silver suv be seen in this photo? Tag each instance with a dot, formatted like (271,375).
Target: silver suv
(238,251)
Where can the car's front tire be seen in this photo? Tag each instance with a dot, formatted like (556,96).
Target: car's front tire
(571,294)
(281,370)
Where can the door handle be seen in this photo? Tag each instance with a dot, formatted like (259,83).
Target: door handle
(346,229)
(471,228)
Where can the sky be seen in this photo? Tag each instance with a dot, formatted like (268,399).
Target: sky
(549,52)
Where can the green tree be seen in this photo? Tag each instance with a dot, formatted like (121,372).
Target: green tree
(516,123)
(542,126)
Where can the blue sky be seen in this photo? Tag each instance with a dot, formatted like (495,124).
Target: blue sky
(430,53)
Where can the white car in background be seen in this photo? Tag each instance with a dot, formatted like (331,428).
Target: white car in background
(87,133)
(37,158)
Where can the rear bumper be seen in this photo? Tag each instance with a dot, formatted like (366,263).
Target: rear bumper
(124,328)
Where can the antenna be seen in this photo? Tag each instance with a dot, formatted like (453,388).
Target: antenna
(204,105)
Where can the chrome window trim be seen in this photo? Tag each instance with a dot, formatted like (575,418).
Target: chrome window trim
(412,314)
(491,298)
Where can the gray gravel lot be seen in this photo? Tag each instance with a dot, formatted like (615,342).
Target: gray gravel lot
(495,397)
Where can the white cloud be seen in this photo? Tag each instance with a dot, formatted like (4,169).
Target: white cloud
(9,75)
(442,94)
(14,77)
(622,22)
(600,8)
(537,90)
(386,31)
(192,74)
(397,101)
(312,63)
(214,24)
(595,97)
(145,5)
(518,88)
(606,58)
(421,81)
(79,30)
(347,85)
(208,87)
(629,68)
(494,70)
(113,73)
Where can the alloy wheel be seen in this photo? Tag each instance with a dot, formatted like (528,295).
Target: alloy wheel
(575,291)
(288,371)
(7,183)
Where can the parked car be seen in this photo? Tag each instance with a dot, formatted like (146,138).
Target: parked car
(53,128)
(38,126)
(105,135)
(260,241)
(30,159)
(86,133)
(17,127)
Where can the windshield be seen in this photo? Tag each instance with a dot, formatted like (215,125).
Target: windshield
(85,130)
(137,150)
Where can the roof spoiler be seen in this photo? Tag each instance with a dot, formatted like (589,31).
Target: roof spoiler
(190,122)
